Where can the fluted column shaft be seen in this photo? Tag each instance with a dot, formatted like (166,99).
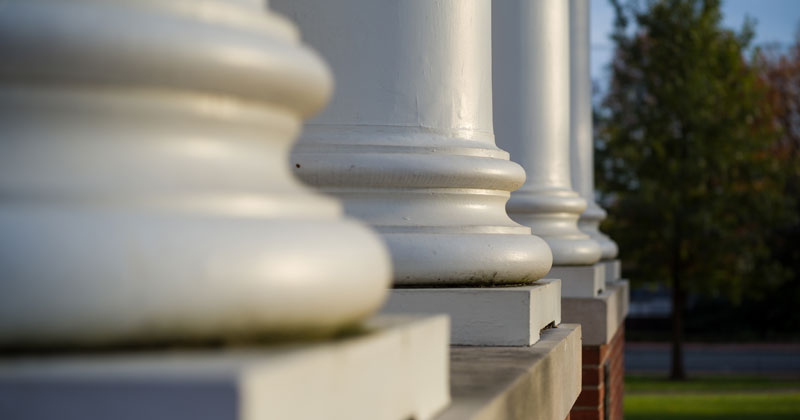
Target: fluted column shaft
(145,194)
(581,125)
(408,141)
(532,121)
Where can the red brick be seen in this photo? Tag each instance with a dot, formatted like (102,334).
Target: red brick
(590,397)
(594,355)
(590,403)
(615,385)
(590,355)
(586,414)
(591,376)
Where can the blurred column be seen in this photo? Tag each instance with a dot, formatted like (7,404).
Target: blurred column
(602,318)
(531,73)
(532,117)
(408,142)
(581,126)
(145,193)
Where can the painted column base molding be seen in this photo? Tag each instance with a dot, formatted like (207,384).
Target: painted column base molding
(397,369)
(589,223)
(540,382)
(580,118)
(407,143)
(531,103)
(580,280)
(491,316)
(613,270)
(145,194)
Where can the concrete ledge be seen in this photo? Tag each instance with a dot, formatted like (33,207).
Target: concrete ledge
(626,298)
(600,317)
(490,316)
(540,382)
(397,370)
(613,270)
(580,280)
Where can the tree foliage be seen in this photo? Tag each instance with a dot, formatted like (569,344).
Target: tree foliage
(686,153)
(782,74)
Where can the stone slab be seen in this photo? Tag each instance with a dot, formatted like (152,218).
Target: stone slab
(613,270)
(396,369)
(490,316)
(600,317)
(626,297)
(540,382)
(580,280)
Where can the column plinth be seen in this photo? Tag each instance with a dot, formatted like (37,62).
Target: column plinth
(146,195)
(407,143)
(486,316)
(531,119)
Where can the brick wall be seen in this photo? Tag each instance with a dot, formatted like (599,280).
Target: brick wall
(603,381)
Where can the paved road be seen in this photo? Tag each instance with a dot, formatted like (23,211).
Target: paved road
(773,359)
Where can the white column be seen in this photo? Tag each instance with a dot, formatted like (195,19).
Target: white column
(408,142)
(581,126)
(531,111)
(144,188)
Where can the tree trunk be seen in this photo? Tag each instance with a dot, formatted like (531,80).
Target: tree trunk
(677,371)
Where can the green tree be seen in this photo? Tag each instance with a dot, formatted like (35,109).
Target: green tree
(781,70)
(685,160)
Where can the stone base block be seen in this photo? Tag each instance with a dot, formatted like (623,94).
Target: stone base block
(491,316)
(580,280)
(613,270)
(600,317)
(626,298)
(506,383)
(396,369)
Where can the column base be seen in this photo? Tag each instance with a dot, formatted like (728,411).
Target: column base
(613,270)
(601,316)
(396,369)
(505,383)
(580,280)
(490,316)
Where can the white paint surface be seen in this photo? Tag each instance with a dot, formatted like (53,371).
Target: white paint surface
(613,270)
(397,370)
(144,183)
(407,143)
(601,316)
(490,316)
(580,280)
(532,119)
(582,141)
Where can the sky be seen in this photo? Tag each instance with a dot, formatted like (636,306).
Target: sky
(776,22)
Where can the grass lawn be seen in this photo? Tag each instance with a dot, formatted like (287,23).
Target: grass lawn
(729,398)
